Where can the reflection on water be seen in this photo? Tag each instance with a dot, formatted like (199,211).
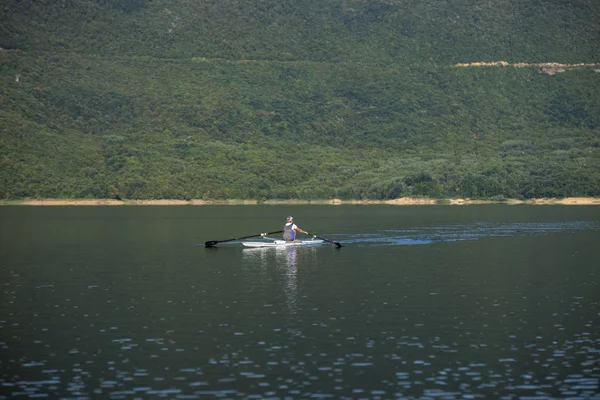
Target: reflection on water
(282,254)
(285,260)
(290,273)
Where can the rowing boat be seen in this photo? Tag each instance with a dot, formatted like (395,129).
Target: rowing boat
(283,243)
(274,242)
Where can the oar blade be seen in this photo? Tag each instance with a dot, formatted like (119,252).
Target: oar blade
(337,244)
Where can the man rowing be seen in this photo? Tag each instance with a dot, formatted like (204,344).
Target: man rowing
(289,230)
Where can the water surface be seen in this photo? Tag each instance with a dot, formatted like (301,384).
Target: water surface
(422,301)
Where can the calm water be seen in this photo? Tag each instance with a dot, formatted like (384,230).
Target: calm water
(429,302)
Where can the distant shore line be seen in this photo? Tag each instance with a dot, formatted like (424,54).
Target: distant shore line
(404,201)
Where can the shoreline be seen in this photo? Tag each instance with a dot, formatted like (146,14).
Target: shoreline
(404,201)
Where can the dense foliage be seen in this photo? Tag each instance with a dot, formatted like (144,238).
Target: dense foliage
(153,99)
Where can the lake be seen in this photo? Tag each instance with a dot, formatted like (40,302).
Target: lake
(486,301)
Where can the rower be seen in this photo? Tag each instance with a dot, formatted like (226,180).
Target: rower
(289,230)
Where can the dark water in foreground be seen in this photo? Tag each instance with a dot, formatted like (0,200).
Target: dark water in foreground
(429,302)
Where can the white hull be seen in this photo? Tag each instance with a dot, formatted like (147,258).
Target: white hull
(283,243)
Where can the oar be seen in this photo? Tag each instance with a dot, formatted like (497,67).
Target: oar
(337,244)
(211,243)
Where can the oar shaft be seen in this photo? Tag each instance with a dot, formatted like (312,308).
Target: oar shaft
(338,244)
(211,243)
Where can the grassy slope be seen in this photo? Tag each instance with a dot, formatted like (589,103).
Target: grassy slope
(157,99)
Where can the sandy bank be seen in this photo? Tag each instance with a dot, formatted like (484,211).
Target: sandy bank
(405,201)
(568,201)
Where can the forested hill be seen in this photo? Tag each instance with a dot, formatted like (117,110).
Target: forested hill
(307,99)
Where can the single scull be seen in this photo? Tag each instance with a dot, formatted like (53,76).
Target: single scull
(283,243)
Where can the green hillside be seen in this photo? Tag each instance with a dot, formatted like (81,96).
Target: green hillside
(154,99)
